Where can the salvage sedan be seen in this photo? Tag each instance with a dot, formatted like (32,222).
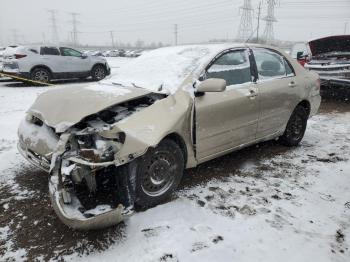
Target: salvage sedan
(122,145)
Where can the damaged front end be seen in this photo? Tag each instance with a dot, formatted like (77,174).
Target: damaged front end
(74,189)
(87,185)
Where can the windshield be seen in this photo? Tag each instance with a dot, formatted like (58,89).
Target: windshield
(165,69)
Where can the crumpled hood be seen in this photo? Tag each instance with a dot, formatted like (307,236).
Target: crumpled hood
(62,108)
(340,43)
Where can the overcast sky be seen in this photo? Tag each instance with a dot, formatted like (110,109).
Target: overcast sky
(153,20)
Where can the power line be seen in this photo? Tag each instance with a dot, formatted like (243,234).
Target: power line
(258,27)
(53,22)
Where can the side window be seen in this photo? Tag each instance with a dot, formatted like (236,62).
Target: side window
(234,67)
(69,52)
(49,51)
(269,64)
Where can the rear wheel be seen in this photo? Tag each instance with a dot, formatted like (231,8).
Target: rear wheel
(156,174)
(41,75)
(98,72)
(296,127)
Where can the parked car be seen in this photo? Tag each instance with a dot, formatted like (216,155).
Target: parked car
(45,63)
(330,58)
(132,136)
(111,53)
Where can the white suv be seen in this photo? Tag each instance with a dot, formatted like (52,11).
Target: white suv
(44,63)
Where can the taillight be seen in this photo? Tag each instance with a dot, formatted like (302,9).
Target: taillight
(19,56)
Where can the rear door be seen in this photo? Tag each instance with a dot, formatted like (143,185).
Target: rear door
(225,120)
(278,87)
(51,57)
(75,61)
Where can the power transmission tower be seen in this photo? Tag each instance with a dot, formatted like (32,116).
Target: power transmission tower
(55,38)
(112,38)
(175,34)
(75,28)
(245,29)
(270,19)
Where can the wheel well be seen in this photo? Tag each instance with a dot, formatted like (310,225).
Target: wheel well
(306,105)
(41,66)
(98,64)
(180,142)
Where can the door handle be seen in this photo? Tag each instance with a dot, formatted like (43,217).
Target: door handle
(292,84)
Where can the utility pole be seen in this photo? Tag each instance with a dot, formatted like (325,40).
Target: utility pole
(75,28)
(270,19)
(245,29)
(258,27)
(345,27)
(175,34)
(53,22)
(15,36)
(112,38)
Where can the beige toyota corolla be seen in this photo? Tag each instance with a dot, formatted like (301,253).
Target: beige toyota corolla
(123,144)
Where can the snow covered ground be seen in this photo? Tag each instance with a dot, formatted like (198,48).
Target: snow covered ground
(264,203)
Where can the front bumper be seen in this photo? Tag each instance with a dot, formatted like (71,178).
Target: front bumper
(72,215)
(335,81)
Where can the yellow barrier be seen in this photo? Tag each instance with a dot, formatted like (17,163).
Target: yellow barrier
(26,80)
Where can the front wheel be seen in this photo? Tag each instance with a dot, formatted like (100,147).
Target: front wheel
(98,72)
(157,174)
(296,127)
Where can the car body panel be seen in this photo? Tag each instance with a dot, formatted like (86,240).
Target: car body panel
(92,98)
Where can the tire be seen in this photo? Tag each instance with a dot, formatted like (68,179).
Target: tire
(41,75)
(98,72)
(296,127)
(156,175)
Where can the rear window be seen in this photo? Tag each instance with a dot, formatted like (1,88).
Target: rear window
(49,51)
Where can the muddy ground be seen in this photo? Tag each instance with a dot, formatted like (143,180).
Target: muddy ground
(35,228)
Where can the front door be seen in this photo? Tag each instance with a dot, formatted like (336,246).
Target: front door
(225,120)
(76,63)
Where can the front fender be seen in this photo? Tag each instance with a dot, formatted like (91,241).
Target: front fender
(148,127)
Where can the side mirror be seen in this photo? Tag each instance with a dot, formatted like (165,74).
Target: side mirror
(300,55)
(211,85)
(83,56)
